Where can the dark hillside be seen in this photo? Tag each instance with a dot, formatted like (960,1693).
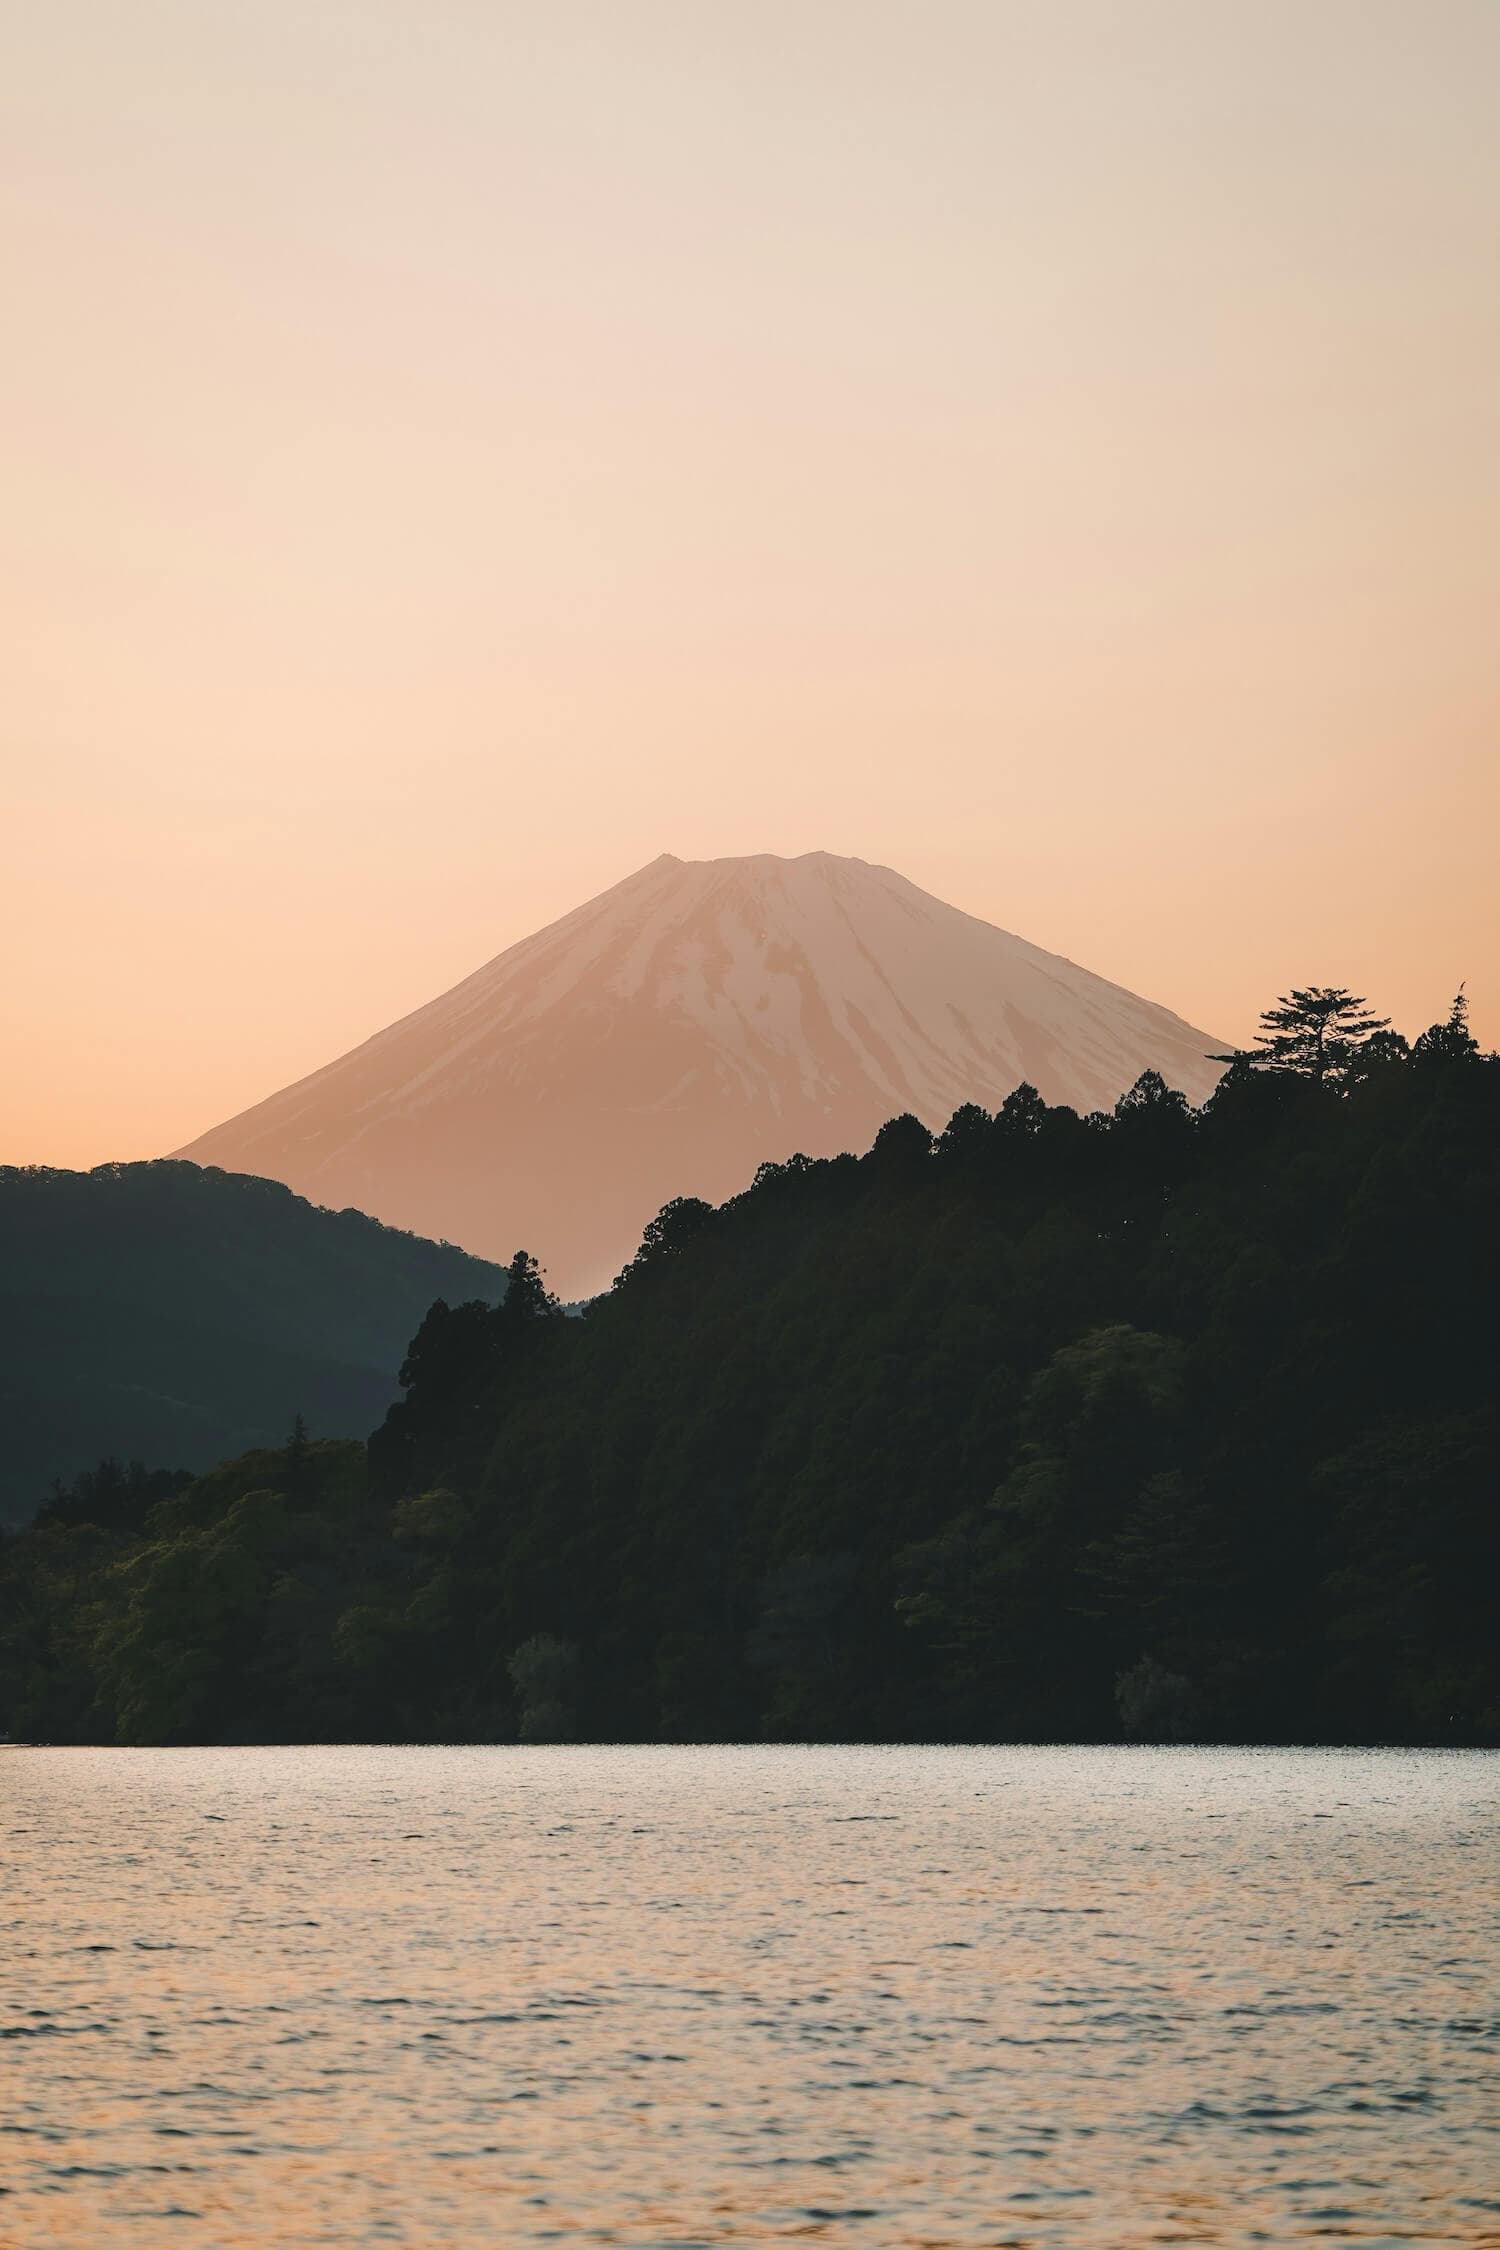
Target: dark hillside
(1167,1423)
(949,1439)
(175,1314)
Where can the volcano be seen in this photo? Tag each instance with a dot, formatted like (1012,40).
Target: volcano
(688,1024)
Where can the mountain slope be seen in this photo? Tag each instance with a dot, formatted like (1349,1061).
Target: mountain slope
(168,1314)
(694,1021)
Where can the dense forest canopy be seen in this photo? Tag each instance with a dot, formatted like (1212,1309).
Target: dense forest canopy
(181,1313)
(1169,1424)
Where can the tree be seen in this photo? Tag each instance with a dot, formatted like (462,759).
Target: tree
(900,1148)
(297,1467)
(966,1134)
(667,1236)
(1153,1126)
(1023,1113)
(527,1296)
(1383,1050)
(1314,1031)
(1451,1041)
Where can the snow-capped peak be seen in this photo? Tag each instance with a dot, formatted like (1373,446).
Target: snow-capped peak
(666,1037)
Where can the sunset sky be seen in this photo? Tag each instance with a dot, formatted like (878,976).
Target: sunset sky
(453,452)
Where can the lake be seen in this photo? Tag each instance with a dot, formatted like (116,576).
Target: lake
(872,1997)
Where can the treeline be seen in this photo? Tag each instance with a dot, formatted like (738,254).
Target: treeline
(1171,1424)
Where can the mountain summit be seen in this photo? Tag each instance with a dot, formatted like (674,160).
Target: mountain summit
(675,1032)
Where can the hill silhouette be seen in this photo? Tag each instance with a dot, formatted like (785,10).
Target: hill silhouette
(173,1314)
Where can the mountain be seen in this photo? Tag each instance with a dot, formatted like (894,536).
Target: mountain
(173,1315)
(696,1020)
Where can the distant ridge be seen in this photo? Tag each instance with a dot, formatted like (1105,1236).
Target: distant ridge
(171,1315)
(695,1020)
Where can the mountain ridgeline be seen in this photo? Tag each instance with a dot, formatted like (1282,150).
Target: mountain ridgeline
(1166,1423)
(176,1314)
(668,1036)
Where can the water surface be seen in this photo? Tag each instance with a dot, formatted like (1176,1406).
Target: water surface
(871,1998)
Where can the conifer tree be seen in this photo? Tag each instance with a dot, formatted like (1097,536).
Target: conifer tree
(527,1296)
(1451,1041)
(1314,1031)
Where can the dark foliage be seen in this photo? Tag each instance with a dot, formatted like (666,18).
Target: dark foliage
(1320,1031)
(114,1496)
(1166,1424)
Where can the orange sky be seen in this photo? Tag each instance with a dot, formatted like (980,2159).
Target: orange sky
(453,453)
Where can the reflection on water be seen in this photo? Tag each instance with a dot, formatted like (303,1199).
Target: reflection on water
(864,1997)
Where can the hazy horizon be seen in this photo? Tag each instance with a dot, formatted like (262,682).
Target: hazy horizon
(452,458)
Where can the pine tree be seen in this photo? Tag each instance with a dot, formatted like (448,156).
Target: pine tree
(527,1296)
(298,1472)
(1451,1041)
(1315,1032)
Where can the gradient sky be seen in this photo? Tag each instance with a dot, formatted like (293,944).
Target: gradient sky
(455,451)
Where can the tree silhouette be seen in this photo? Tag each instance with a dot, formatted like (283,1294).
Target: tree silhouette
(527,1296)
(298,1449)
(1314,1031)
(1451,1041)
(902,1146)
(667,1235)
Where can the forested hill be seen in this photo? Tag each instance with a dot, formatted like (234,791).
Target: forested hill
(178,1314)
(1166,1423)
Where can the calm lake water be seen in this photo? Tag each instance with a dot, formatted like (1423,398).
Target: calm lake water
(857,1996)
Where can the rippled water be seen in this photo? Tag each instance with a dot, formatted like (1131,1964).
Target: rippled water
(678,1996)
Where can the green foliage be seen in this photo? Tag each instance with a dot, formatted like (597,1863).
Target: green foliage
(1164,1424)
